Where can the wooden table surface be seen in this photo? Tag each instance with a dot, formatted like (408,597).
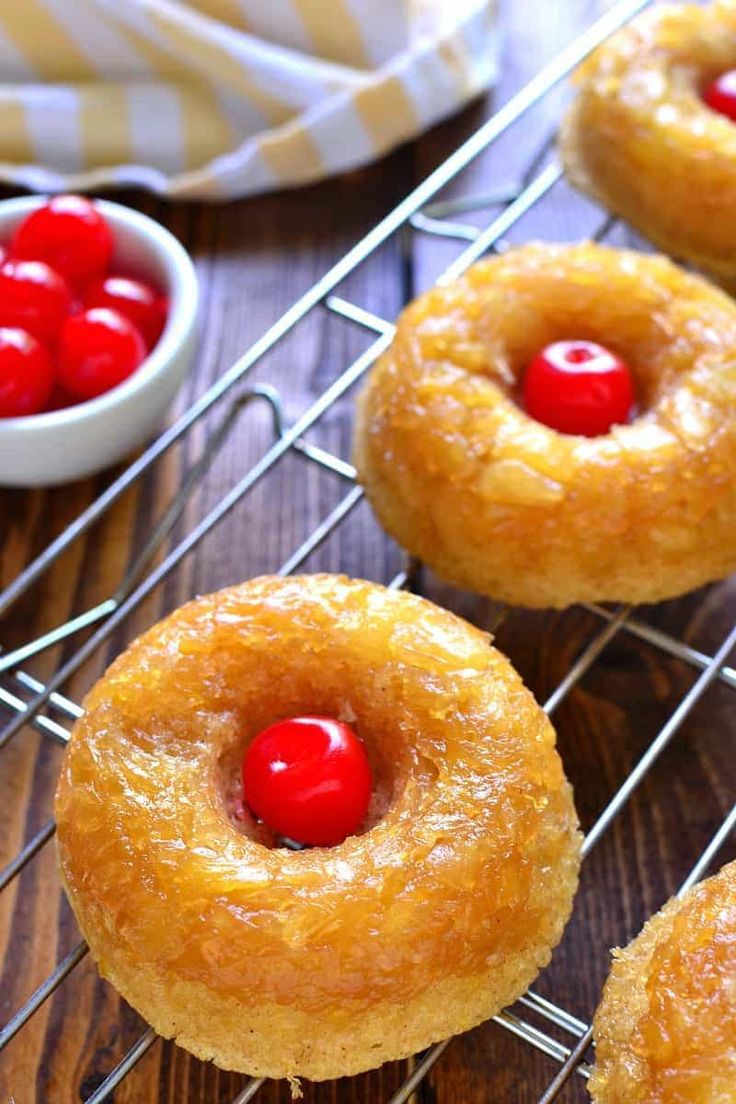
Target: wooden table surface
(253,259)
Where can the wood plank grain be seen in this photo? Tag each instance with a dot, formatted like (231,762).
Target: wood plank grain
(253,259)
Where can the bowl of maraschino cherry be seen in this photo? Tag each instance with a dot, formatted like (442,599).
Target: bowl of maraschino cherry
(97,315)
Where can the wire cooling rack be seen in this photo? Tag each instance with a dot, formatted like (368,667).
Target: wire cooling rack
(43,705)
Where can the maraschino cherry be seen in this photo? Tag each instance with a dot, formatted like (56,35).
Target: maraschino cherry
(578,387)
(68,233)
(34,298)
(98,349)
(26,374)
(308,779)
(73,330)
(138,302)
(720,95)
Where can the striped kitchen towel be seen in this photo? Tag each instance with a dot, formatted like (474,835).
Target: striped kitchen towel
(222,98)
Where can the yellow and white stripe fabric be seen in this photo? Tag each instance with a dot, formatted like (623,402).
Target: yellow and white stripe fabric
(224,98)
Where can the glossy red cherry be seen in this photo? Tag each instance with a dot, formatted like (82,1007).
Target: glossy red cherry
(138,302)
(721,95)
(34,298)
(578,387)
(309,779)
(98,349)
(26,374)
(69,234)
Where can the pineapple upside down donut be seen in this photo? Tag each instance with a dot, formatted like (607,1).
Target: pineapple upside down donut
(435,913)
(651,134)
(665,1030)
(462,476)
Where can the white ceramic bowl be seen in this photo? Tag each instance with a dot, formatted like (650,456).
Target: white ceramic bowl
(43,449)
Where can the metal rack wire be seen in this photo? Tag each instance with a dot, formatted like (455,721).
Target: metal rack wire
(44,705)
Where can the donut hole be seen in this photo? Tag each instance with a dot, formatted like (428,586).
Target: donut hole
(710,64)
(630,329)
(701,80)
(392,765)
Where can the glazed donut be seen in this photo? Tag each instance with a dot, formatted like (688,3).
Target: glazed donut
(326,961)
(496,502)
(639,139)
(665,1031)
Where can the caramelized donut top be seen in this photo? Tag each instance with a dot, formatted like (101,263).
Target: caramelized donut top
(470,846)
(666,1027)
(643,139)
(460,352)
(687,1035)
(461,475)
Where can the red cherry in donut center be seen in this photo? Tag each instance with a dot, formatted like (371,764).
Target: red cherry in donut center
(578,387)
(308,779)
(720,95)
